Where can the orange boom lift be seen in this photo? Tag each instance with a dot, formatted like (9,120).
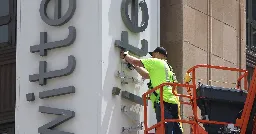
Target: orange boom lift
(225,110)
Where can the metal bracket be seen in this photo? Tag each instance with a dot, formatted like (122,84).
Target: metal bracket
(128,65)
(131,108)
(136,128)
(121,75)
(130,115)
(126,79)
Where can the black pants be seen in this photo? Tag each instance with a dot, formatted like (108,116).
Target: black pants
(170,112)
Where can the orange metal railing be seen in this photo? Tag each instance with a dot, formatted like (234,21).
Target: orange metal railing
(192,70)
(192,96)
(243,122)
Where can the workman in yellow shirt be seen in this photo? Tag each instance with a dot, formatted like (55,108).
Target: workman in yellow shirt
(159,71)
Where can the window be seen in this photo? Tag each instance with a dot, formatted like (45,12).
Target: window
(7,22)
(253,5)
(250,36)
(251,25)
(4,8)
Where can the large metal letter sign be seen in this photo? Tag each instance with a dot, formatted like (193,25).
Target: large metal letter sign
(132,22)
(58,20)
(57,92)
(44,46)
(43,75)
(124,43)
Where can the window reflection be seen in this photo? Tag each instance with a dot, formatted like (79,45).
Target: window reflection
(4,8)
(250,37)
(4,33)
(251,25)
(253,6)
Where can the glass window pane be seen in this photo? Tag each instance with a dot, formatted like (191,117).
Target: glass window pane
(253,9)
(4,7)
(247,9)
(4,33)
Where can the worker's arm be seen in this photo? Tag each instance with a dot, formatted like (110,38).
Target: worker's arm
(137,63)
(133,60)
(142,71)
(148,64)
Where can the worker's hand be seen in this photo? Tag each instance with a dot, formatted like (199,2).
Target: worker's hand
(123,54)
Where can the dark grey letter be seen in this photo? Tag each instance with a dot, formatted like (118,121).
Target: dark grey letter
(43,75)
(124,43)
(58,20)
(30,96)
(65,115)
(57,92)
(132,97)
(132,23)
(44,46)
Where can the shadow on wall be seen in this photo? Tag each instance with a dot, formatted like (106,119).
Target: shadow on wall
(113,119)
(110,106)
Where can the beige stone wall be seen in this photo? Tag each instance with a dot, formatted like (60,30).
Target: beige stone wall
(204,32)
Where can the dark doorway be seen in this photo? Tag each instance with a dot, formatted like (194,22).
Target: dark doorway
(8,23)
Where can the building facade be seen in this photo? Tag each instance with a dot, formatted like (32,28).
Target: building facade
(217,32)
(208,32)
(71,53)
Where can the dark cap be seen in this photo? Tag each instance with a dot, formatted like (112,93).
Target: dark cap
(160,50)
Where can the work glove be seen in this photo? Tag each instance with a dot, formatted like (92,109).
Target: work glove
(187,78)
